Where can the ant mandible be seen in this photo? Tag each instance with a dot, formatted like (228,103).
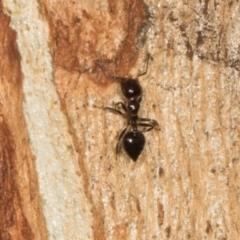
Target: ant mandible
(131,138)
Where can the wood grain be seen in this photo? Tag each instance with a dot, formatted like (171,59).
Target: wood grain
(185,184)
(21,214)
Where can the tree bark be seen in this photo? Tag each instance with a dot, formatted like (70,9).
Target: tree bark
(60,177)
(21,214)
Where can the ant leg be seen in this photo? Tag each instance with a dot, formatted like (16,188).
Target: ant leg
(151,122)
(119,143)
(121,104)
(148,127)
(113,110)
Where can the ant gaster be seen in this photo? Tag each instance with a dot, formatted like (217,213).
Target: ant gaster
(131,138)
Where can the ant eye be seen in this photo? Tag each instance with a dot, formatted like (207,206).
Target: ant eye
(131,88)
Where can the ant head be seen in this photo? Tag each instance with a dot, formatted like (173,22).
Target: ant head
(131,88)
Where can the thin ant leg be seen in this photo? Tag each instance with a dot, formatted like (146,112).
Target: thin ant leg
(119,143)
(113,110)
(148,127)
(151,122)
(122,105)
(148,120)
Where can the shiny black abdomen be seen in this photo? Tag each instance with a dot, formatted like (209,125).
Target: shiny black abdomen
(133,144)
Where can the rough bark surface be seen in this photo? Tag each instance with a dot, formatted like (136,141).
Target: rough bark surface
(21,215)
(185,184)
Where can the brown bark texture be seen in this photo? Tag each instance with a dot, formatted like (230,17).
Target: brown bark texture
(186,182)
(21,215)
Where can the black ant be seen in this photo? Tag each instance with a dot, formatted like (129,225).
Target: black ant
(131,138)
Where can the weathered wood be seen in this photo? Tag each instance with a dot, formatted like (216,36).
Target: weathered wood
(185,184)
(21,214)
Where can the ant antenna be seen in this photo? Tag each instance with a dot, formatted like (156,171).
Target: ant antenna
(106,71)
